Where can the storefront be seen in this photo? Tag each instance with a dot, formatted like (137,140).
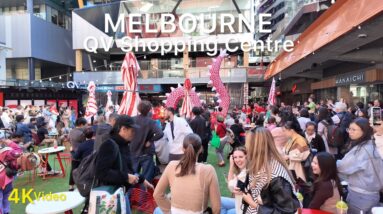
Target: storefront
(12,97)
(295,90)
(360,86)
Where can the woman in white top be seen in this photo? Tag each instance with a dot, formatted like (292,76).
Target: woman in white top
(236,180)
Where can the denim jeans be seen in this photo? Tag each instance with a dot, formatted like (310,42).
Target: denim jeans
(4,194)
(227,205)
(358,201)
(219,151)
(157,211)
(146,164)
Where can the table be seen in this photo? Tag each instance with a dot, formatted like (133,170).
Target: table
(53,150)
(72,200)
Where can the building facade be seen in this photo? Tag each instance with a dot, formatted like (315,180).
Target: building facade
(335,57)
(167,69)
(35,48)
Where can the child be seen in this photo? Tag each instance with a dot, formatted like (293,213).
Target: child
(8,169)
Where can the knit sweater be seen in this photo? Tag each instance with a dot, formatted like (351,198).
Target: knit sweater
(189,193)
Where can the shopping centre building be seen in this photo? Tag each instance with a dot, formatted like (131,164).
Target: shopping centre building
(334,57)
(159,71)
(36,55)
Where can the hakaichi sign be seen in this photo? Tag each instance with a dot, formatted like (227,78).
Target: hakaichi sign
(347,79)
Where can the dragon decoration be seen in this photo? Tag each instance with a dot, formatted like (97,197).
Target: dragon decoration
(188,92)
(218,86)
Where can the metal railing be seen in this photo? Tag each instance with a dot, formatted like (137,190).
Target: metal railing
(31,83)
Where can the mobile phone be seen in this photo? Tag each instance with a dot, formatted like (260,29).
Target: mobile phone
(241,185)
(376,114)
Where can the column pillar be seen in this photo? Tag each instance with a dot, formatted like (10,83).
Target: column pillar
(246,56)
(78,60)
(30,6)
(344,92)
(31,69)
(79,52)
(186,62)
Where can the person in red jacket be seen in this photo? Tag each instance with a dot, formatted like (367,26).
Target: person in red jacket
(259,108)
(220,129)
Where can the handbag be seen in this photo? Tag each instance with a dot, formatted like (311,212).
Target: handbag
(9,171)
(375,171)
(215,141)
(107,199)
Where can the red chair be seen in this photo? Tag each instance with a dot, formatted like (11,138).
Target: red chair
(312,211)
(142,201)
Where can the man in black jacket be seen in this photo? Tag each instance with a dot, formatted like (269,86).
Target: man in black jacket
(142,146)
(198,125)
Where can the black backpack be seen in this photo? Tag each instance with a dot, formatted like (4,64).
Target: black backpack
(335,135)
(84,175)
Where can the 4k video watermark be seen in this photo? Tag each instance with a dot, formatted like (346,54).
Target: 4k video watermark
(30,195)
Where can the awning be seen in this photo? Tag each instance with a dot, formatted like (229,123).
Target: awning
(341,18)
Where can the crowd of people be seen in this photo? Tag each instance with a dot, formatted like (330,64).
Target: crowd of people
(322,151)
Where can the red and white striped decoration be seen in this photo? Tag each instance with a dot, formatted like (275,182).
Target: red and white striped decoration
(91,105)
(131,98)
(109,101)
(271,100)
(218,86)
(191,98)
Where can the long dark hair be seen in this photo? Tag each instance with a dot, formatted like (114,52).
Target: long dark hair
(192,146)
(289,121)
(367,130)
(323,114)
(327,165)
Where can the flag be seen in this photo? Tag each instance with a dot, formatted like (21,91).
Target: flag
(272,100)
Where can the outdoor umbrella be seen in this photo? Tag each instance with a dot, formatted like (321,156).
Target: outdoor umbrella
(131,98)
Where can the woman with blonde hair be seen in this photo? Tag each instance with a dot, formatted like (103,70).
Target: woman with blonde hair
(270,186)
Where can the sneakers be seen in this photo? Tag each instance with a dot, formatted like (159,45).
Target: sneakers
(54,172)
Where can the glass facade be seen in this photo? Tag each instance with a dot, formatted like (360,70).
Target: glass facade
(48,13)
(366,93)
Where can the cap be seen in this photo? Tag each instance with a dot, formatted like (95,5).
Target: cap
(127,121)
